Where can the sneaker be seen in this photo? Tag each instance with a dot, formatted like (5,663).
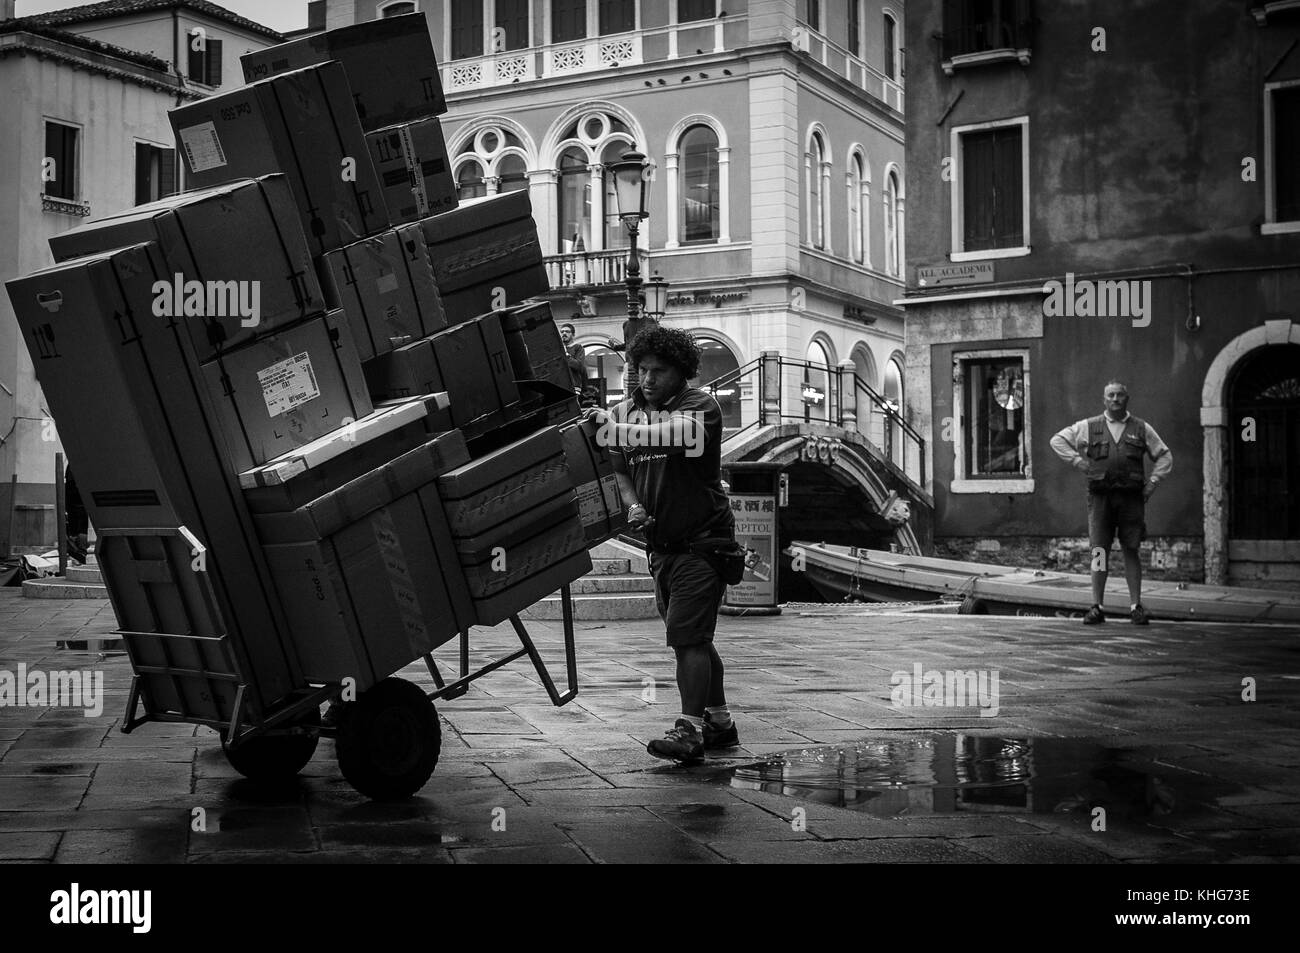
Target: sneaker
(1139,615)
(681,743)
(1093,616)
(720,737)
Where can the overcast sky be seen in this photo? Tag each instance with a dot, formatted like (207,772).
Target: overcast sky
(279,15)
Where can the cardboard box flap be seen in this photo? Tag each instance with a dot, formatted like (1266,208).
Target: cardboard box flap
(355,500)
(501,464)
(385,420)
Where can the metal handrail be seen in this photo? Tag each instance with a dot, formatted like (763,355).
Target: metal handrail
(835,393)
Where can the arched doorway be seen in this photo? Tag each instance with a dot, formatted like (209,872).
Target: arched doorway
(893,394)
(816,383)
(1263,397)
(717,362)
(606,367)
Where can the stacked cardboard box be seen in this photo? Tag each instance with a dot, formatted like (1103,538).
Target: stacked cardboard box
(309,369)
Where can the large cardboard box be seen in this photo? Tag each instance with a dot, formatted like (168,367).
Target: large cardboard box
(535,346)
(368,575)
(389,61)
(302,124)
(369,598)
(468,361)
(412,164)
(247,232)
(125,393)
(494,609)
(286,389)
(485,255)
(600,504)
(385,286)
(522,547)
(296,478)
(501,485)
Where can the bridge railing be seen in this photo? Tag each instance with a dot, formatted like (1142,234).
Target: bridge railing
(784,390)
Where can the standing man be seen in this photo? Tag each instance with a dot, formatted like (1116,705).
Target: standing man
(666,445)
(575,354)
(1111,449)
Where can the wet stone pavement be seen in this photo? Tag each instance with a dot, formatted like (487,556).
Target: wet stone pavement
(1109,744)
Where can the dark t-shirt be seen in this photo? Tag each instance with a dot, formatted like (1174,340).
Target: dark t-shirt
(682,491)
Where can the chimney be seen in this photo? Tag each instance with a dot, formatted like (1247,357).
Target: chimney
(7,9)
(316,16)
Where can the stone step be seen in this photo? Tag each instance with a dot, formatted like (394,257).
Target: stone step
(610,567)
(593,607)
(88,573)
(613,583)
(57,587)
(614,549)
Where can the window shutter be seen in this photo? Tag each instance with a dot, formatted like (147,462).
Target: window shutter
(143,178)
(214,62)
(466,29)
(617,16)
(166,172)
(197,72)
(512,16)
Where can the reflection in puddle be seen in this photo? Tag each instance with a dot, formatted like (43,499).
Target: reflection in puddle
(91,645)
(956,773)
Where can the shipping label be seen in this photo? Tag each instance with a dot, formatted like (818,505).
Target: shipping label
(288,384)
(202,147)
(591,505)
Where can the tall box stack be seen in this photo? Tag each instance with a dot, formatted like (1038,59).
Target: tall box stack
(134,416)
(302,124)
(308,412)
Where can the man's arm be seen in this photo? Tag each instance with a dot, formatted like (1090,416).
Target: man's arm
(1065,444)
(686,431)
(627,491)
(1159,451)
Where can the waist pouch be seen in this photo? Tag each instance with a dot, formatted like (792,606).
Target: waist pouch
(723,554)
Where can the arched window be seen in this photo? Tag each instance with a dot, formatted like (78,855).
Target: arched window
(816,159)
(575,201)
(893,395)
(511,173)
(700,194)
(396,9)
(816,381)
(469,180)
(857,209)
(718,363)
(893,265)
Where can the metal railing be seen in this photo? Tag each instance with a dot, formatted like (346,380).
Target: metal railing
(607,267)
(777,389)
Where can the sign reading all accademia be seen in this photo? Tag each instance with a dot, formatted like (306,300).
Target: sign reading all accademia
(933,276)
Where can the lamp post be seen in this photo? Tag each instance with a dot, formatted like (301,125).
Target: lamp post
(631,190)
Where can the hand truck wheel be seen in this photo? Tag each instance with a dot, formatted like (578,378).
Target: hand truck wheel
(271,759)
(972,606)
(388,740)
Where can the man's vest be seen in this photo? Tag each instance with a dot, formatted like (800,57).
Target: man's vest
(1114,466)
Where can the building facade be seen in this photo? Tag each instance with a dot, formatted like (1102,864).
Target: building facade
(1107,193)
(775,129)
(86,135)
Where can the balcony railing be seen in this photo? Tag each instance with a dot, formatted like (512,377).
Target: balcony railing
(577,269)
(51,203)
(603,52)
(495,69)
(853,68)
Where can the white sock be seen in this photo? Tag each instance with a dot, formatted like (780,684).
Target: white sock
(719,715)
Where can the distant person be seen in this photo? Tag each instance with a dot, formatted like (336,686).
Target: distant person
(666,443)
(1111,449)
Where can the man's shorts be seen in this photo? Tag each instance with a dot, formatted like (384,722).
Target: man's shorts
(688,594)
(1116,511)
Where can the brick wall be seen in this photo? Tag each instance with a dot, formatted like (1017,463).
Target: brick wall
(1176,558)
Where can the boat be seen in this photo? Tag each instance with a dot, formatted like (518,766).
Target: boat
(850,573)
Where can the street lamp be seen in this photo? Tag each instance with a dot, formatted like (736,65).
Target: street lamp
(632,193)
(656,297)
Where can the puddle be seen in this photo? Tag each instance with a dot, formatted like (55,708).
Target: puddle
(90,645)
(967,774)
